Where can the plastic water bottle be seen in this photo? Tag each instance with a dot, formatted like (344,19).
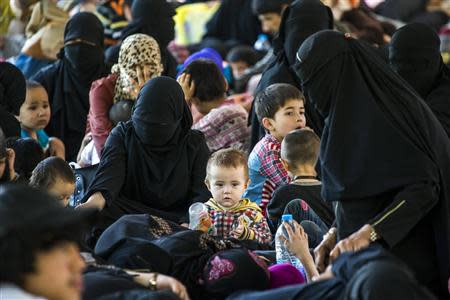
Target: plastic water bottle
(262,43)
(282,253)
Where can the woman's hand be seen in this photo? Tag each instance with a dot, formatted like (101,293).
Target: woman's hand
(166,282)
(355,242)
(162,282)
(96,200)
(143,75)
(322,251)
(187,85)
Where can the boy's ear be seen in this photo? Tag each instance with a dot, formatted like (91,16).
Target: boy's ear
(267,124)
(285,164)
(208,184)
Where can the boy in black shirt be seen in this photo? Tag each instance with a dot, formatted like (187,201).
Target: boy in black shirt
(302,197)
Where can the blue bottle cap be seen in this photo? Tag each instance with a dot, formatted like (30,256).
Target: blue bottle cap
(286,218)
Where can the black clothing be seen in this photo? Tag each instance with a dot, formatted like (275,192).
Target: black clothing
(421,65)
(12,96)
(154,163)
(364,275)
(69,79)
(379,155)
(308,192)
(154,18)
(411,11)
(234,21)
(300,20)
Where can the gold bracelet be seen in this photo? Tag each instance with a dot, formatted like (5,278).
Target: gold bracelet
(152,281)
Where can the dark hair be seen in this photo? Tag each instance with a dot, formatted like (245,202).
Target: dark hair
(269,101)
(121,111)
(228,158)
(31,84)
(300,147)
(48,170)
(28,154)
(260,7)
(243,53)
(18,250)
(209,81)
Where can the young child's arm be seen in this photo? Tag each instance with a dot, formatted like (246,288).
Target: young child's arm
(257,230)
(297,244)
(56,148)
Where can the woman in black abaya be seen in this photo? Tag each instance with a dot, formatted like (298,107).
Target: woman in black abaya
(69,79)
(300,20)
(154,163)
(384,157)
(12,96)
(414,54)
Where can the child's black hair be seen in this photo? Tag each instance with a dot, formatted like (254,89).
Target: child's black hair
(18,250)
(209,81)
(300,147)
(31,84)
(243,53)
(269,101)
(28,154)
(48,170)
(121,111)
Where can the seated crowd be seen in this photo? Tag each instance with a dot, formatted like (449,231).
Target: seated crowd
(299,150)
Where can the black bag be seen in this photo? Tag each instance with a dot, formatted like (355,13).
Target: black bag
(83,177)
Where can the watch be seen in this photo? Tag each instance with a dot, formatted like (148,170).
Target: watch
(373,235)
(152,281)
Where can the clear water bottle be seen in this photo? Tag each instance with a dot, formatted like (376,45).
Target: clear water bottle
(283,254)
(262,43)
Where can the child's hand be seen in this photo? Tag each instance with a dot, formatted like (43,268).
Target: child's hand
(297,242)
(187,85)
(10,158)
(238,231)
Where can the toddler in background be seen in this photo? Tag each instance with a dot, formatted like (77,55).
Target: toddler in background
(54,175)
(34,117)
(242,58)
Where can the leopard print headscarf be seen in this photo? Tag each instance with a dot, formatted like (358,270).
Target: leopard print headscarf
(136,50)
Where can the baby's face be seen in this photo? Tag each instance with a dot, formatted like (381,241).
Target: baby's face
(35,111)
(62,190)
(238,68)
(227,184)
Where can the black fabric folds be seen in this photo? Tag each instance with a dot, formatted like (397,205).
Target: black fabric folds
(300,20)
(421,65)
(69,79)
(379,137)
(12,96)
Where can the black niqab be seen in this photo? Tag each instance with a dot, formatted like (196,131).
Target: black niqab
(379,136)
(12,96)
(421,65)
(300,20)
(68,80)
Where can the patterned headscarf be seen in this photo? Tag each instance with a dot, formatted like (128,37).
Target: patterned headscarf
(136,50)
